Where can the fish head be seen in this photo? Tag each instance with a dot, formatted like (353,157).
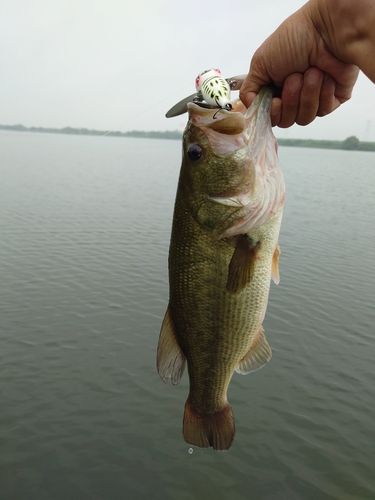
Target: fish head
(230,174)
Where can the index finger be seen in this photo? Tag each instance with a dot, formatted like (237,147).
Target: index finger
(250,88)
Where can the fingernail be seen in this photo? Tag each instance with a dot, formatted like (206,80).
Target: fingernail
(294,83)
(312,77)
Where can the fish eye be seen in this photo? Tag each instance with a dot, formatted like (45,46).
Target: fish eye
(195,152)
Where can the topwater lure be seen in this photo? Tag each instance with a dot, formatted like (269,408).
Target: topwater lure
(213,88)
(212,91)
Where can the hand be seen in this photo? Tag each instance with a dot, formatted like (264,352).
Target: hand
(313,81)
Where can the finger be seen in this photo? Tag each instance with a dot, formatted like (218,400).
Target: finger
(276,111)
(344,90)
(249,91)
(290,99)
(310,96)
(256,78)
(328,100)
(345,76)
(248,98)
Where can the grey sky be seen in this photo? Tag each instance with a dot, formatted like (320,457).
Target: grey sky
(121,64)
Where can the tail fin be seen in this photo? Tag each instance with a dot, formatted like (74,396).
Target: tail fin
(215,429)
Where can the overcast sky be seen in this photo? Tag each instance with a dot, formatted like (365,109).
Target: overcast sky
(121,64)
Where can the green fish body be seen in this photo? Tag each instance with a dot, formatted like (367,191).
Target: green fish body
(223,252)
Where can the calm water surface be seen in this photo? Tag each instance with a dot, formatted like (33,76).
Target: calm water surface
(85,225)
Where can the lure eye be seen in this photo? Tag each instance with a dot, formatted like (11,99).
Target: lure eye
(195,152)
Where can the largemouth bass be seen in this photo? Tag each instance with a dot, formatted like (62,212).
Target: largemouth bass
(223,252)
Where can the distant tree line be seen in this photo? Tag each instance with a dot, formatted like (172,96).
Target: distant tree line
(351,143)
(168,134)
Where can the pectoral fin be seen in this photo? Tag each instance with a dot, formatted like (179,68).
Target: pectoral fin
(257,356)
(275,265)
(170,359)
(241,267)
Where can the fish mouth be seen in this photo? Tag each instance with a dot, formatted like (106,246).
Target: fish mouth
(228,131)
(219,120)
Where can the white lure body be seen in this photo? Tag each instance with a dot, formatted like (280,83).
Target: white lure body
(213,88)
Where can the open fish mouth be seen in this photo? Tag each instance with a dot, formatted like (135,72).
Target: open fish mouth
(220,120)
(229,131)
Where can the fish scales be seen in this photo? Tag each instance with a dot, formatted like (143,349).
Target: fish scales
(222,256)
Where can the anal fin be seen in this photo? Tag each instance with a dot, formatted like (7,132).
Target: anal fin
(241,266)
(257,356)
(275,265)
(170,359)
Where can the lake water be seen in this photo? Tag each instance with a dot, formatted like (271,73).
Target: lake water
(85,225)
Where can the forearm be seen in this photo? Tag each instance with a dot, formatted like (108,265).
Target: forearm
(348,30)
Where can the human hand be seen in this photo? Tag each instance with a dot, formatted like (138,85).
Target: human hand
(313,81)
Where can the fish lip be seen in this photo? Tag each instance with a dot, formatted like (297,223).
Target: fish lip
(205,110)
(218,123)
(240,121)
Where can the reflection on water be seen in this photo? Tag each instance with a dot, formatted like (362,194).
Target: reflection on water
(85,225)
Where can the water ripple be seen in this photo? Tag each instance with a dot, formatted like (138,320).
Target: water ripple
(85,232)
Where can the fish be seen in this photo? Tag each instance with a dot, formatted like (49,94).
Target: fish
(223,253)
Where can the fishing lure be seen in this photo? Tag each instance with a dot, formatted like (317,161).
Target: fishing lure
(213,89)
(220,88)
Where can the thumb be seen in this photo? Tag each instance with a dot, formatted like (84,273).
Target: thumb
(251,86)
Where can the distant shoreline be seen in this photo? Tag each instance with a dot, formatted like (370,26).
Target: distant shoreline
(175,134)
(351,143)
